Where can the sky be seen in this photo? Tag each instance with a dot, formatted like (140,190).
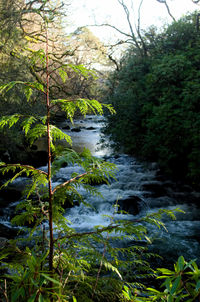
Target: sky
(86,12)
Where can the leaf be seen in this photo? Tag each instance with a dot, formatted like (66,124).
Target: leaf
(82,70)
(197,286)
(18,293)
(40,298)
(85,106)
(32,298)
(74,299)
(109,266)
(175,285)
(126,295)
(36,85)
(26,87)
(51,279)
(38,131)
(148,239)
(153,290)
(56,133)
(6,87)
(28,92)
(9,120)
(170,298)
(165,271)
(167,284)
(181,262)
(63,74)
(26,124)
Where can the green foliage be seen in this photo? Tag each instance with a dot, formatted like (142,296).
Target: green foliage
(182,284)
(29,283)
(156,99)
(84,106)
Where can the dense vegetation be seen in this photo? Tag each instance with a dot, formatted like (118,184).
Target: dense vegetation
(156,97)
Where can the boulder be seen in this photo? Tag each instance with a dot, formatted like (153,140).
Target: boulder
(156,188)
(130,204)
(77,129)
(59,117)
(9,194)
(66,127)
(8,232)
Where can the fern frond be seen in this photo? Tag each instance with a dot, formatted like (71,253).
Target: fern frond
(28,92)
(85,106)
(56,133)
(9,120)
(37,132)
(110,267)
(6,87)
(68,157)
(95,170)
(82,70)
(26,124)
(62,74)
(39,177)
(31,85)
(38,180)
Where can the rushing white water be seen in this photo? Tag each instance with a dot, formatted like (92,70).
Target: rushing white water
(135,181)
(138,184)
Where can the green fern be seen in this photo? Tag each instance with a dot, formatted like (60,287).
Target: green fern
(9,120)
(27,123)
(84,106)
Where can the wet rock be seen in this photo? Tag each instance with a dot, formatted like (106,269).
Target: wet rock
(34,147)
(38,158)
(66,127)
(8,232)
(156,188)
(90,128)
(184,197)
(8,195)
(59,117)
(78,129)
(130,205)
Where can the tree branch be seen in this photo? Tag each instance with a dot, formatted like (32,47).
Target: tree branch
(69,181)
(99,231)
(112,26)
(24,166)
(167,7)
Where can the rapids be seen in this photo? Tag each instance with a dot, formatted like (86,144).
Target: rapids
(137,183)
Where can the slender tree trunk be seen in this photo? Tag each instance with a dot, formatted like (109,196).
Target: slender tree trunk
(51,243)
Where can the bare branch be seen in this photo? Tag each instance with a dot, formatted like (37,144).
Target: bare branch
(167,7)
(112,26)
(127,13)
(168,10)
(139,15)
(138,28)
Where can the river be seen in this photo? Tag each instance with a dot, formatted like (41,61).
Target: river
(137,183)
